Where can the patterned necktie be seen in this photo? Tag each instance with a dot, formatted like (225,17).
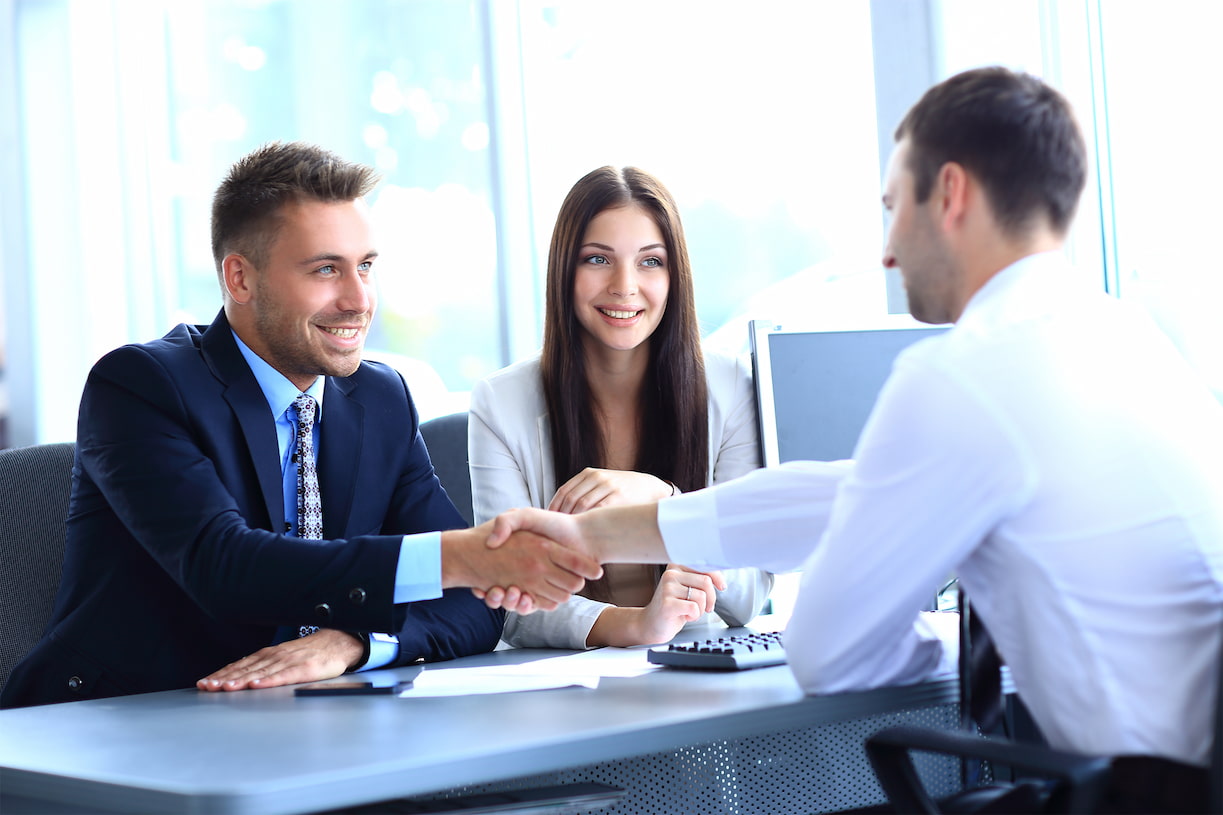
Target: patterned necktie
(309,500)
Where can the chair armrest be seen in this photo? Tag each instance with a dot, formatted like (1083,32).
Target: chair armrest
(1082,777)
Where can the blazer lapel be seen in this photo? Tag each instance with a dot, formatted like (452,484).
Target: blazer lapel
(250,407)
(340,438)
(547,485)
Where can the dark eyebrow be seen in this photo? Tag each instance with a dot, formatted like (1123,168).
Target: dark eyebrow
(606,248)
(333,258)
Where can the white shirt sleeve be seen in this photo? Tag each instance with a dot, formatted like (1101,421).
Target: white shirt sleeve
(769,518)
(734,452)
(936,468)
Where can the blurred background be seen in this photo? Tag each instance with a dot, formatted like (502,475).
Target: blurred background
(770,123)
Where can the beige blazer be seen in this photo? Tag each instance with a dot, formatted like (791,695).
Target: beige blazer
(510,450)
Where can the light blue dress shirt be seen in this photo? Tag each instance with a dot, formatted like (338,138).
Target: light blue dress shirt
(418,575)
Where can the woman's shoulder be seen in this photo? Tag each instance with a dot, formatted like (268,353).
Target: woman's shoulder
(524,373)
(516,384)
(726,372)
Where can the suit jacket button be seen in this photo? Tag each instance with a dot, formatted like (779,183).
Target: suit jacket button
(323,611)
(357,596)
(75,683)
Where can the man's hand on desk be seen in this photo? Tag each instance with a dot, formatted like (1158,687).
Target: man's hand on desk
(322,655)
(544,573)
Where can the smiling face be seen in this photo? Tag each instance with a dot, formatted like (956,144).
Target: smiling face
(916,247)
(307,311)
(622,279)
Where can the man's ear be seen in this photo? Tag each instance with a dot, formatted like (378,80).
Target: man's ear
(238,273)
(952,188)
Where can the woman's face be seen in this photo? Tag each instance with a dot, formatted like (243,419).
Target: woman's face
(621,283)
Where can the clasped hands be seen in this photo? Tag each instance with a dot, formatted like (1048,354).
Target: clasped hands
(523,561)
(547,572)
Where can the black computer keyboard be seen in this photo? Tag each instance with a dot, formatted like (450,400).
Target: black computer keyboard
(737,653)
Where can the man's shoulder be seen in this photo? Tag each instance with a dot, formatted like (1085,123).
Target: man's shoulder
(374,382)
(376,374)
(182,340)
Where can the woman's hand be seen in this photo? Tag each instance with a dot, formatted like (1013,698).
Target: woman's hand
(594,487)
(682,595)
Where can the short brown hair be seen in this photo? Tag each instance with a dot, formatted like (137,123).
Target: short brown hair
(247,204)
(1013,132)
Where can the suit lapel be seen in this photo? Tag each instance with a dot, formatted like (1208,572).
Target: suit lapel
(340,438)
(250,408)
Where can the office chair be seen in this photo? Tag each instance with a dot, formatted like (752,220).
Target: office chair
(1080,781)
(446,438)
(34,486)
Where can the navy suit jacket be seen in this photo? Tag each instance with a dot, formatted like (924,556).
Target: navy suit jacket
(174,565)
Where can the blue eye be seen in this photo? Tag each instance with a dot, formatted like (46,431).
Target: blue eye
(326,270)
(596,259)
(366,266)
(652,262)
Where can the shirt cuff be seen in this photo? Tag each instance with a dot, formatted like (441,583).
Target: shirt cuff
(689,527)
(383,650)
(418,575)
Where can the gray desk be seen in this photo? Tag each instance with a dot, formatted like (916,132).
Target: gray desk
(678,741)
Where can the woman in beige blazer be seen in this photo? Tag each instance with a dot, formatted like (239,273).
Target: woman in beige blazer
(620,407)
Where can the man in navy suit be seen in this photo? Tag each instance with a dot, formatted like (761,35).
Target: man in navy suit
(183,563)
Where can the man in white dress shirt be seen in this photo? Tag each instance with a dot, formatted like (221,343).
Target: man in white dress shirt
(1052,449)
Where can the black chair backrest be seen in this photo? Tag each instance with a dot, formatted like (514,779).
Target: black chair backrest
(1216,752)
(34,486)
(446,438)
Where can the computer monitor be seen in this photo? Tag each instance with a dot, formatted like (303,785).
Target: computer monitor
(815,387)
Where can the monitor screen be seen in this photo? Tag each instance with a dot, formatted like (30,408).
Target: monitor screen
(815,389)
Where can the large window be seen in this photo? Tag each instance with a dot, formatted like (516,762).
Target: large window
(398,85)
(774,164)
(769,123)
(1159,68)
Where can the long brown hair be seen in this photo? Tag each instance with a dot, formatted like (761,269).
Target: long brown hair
(674,440)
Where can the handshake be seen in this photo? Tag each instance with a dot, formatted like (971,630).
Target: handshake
(528,560)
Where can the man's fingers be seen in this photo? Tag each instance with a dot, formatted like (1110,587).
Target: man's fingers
(512,595)
(574,561)
(236,674)
(322,655)
(503,527)
(527,605)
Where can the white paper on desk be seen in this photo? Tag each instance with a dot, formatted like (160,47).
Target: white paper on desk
(468,681)
(602,662)
(583,670)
